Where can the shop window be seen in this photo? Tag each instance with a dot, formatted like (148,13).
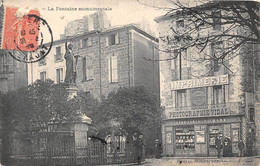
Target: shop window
(251,114)
(112,69)
(185,138)
(59,75)
(43,75)
(181,98)
(218,95)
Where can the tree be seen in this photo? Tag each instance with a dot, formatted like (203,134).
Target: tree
(134,108)
(31,109)
(226,26)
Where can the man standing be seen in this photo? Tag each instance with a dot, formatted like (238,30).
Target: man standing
(241,147)
(218,145)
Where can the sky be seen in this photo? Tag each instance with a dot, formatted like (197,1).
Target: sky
(123,11)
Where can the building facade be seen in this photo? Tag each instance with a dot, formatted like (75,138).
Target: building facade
(108,59)
(199,107)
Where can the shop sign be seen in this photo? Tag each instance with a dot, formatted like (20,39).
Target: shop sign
(205,121)
(201,82)
(224,111)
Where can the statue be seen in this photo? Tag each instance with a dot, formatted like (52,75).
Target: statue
(71,71)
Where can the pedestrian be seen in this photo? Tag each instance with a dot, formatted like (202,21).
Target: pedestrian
(218,145)
(241,147)
(227,147)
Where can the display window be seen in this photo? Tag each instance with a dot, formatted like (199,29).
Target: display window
(185,138)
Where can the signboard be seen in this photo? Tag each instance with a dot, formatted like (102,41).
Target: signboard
(202,82)
(224,111)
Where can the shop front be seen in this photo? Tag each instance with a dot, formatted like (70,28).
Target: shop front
(194,132)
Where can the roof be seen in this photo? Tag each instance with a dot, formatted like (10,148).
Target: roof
(108,30)
(171,15)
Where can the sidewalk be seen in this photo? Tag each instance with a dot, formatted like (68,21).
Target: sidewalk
(207,161)
(199,161)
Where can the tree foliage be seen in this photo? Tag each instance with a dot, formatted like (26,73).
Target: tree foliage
(133,108)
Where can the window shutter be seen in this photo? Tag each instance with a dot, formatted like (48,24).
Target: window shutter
(80,43)
(114,69)
(61,75)
(89,42)
(109,68)
(107,41)
(91,74)
(117,38)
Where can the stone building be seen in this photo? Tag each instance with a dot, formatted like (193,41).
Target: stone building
(198,106)
(108,59)
(13,74)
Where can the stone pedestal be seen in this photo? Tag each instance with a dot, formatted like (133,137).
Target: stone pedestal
(72,89)
(81,128)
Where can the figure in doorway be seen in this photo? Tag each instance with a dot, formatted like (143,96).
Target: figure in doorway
(241,147)
(218,145)
(227,147)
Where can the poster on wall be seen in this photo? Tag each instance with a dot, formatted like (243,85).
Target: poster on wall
(235,135)
(200,136)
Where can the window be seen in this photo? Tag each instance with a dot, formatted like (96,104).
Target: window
(179,65)
(3,84)
(112,69)
(42,61)
(180,24)
(218,95)
(216,18)
(59,75)
(216,50)
(43,75)
(84,76)
(4,67)
(85,42)
(112,39)
(87,71)
(58,56)
(181,98)
(176,63)
(251,114)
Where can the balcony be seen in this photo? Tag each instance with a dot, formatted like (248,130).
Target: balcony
(225,109)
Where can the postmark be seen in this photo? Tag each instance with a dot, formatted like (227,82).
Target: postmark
(26,32)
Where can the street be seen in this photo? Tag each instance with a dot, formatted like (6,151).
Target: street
(200,161)
(232,161)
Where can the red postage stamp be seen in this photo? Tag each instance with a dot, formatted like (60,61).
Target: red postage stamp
(20,29)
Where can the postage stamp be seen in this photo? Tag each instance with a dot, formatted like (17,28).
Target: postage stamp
(24,31)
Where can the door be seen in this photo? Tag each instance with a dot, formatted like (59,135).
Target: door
(214,131)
